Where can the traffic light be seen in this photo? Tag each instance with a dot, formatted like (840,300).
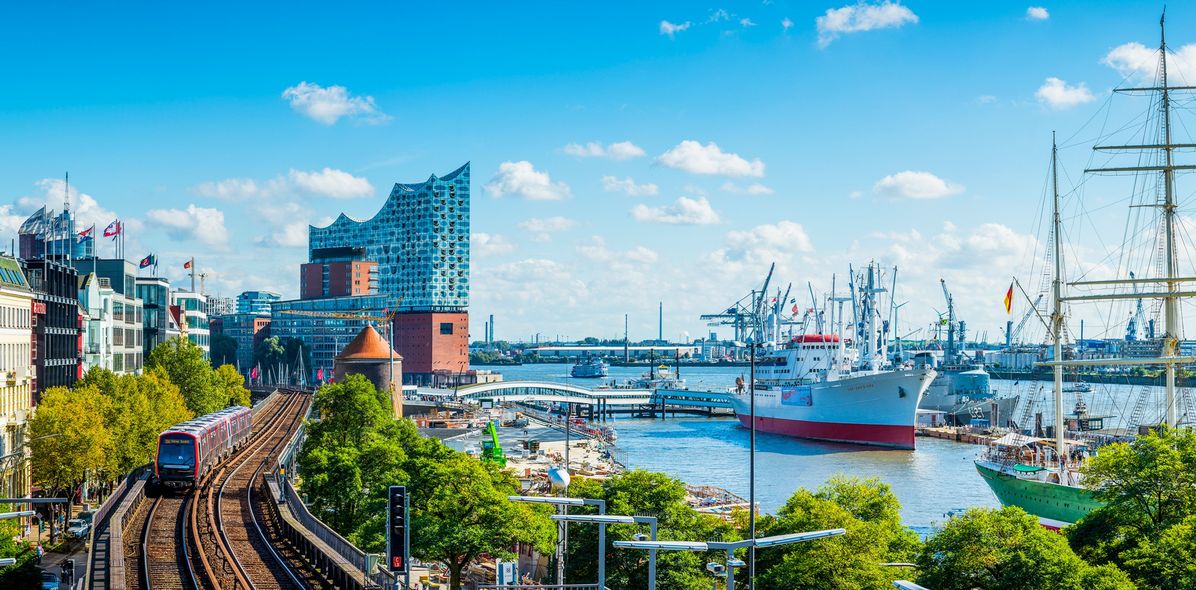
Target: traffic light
(396,529)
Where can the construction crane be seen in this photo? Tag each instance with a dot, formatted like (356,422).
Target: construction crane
(491,449)
(338,315)
(1133,329)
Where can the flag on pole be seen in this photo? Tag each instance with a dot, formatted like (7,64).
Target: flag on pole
(319,374)
(148,261)
(254,373)
(113,229)
(187,265)
(86,234)
(795,309)
(1009,300)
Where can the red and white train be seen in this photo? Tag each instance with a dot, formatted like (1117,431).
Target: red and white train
(189,450)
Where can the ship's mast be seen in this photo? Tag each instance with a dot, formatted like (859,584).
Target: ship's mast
(1170,312)
(1057,312)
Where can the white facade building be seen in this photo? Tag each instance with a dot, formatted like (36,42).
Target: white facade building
(192,310)
(113,329)
(16,378)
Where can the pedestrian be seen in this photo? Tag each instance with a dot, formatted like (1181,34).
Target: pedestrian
(40,553)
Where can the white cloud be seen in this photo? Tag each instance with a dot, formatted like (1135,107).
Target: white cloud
(986,99)
(205,225)
(760,246)
(754,188)
(627,185)
(1037,13)
(289,223)
(329,182)
(1141,63)
(291,235)
(328,105)
(861,17)
(670,29)
(915,185)
(229,188)
(597,251)
(1056,94)
(786,24)
(720,14)
(86,208)
(683,211)
(541,229)
(691,156)
(622,150)
(522,179)
(484,244)
(746,22)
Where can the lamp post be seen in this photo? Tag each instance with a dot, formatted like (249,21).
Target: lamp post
(604,519)
(563,505)
(772,541)
(751,473)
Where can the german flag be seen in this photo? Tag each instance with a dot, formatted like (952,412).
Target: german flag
(1009,300)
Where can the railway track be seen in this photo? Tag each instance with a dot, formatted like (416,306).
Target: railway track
(215,536)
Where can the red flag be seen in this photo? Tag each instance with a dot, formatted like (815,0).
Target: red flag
(319,374)
(253,373)
(795,309)
(1009,299)
(188,263)
(113,229)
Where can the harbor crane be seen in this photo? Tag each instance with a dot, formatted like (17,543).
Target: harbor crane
(747,315)
(1014,335)
(1133,329)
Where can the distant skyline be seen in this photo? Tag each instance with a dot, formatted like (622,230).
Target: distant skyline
(622,155)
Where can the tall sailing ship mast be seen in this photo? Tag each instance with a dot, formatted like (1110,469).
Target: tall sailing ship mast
(1056,494)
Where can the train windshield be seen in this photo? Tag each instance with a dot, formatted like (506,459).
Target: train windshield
(176,450)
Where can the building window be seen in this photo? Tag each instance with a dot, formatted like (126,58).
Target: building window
(446,327)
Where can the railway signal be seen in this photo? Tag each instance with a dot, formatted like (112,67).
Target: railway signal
(396,530)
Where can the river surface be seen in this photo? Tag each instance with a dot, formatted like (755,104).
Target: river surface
(935,478)
(929,481)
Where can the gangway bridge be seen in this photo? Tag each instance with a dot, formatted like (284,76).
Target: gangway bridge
(599,401)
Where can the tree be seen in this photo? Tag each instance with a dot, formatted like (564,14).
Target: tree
(222,350)
(1007,549)
(461,511)
(231,385)
(183,363)
(68,438)
(350,410)
(269,354)
(139,408)
(869,512)
(1148,488)
(652,494)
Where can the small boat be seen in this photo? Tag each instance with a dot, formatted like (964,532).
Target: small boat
(590,368)
(1078,387)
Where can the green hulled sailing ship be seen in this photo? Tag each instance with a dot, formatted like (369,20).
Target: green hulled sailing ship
(1042,476)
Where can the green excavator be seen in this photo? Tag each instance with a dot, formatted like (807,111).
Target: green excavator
(491,449)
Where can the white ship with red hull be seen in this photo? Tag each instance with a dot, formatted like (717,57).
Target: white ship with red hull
(821,387)
(872,409)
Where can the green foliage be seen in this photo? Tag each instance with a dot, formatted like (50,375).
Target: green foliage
(68,437)
(460,511)
(869,512)
(645,493)
(1149,492)
(138,409)
(231,384)
(1008,550)
(269,353)
(204,389)
(459,507)
(222,350)
(184,364)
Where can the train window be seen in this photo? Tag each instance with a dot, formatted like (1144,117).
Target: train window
(176,450)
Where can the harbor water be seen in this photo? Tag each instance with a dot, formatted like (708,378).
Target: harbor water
(930,481)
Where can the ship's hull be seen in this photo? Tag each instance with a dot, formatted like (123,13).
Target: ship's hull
(588,371)
(1052,501)
(872,409)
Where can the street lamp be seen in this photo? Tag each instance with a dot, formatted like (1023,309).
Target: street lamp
(751,463)
(563,504)
(772,541)
(602,520)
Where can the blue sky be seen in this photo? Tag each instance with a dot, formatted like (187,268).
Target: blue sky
(913,133)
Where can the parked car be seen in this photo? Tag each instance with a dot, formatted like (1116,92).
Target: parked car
(77,528)
(49,581)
